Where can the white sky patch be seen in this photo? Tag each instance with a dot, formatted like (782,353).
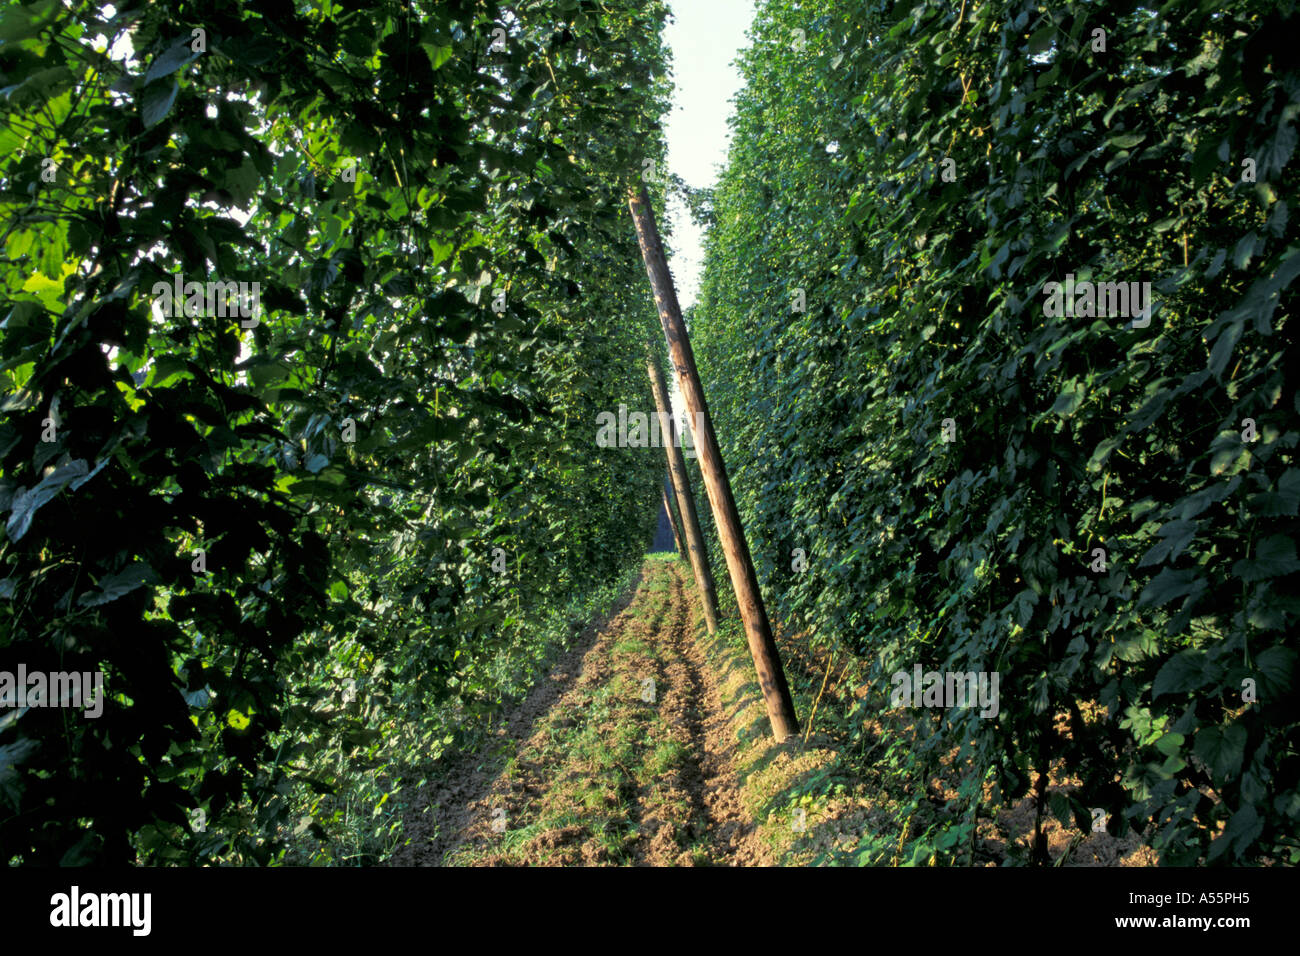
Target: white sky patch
(123,51)
(705,38)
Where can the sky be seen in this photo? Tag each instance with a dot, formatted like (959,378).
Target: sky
(705,36)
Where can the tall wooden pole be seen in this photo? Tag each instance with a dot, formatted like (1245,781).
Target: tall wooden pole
(685,500)
(678,543)
(758,632)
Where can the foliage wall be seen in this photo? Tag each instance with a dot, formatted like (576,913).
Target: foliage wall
(951,452)
(303,544)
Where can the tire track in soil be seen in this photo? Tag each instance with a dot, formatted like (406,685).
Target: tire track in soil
(693,709)
(690,707)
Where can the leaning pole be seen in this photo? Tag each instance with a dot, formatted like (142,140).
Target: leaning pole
(758,632)
(685,500)
(672,523)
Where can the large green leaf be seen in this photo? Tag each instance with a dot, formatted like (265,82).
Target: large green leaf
(156,101)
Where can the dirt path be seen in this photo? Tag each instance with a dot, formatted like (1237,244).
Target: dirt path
(622,756)
(695,712)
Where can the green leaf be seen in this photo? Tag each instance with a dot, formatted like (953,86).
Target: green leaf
(1204,161)
(1181,673)
(243,182)
(1069,400)
(1216,264)
(1041,41)
(165,368)
(1243,829)
(1169,585)
(1244,250)
(1150,411)
(113,586)
(170,60)
(1177,535)
(1275,556)
(1102,452)
(1223,347)
(11,755)
(1127,140)
(438,55)
(264,372)
(1222,750)
(1170,744)
(27,502)
(1276,666)
(156,102)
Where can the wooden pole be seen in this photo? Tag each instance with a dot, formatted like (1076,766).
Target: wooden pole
(685,500)
(758,632)
(672,521)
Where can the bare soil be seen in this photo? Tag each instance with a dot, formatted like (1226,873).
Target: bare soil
(589,772)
